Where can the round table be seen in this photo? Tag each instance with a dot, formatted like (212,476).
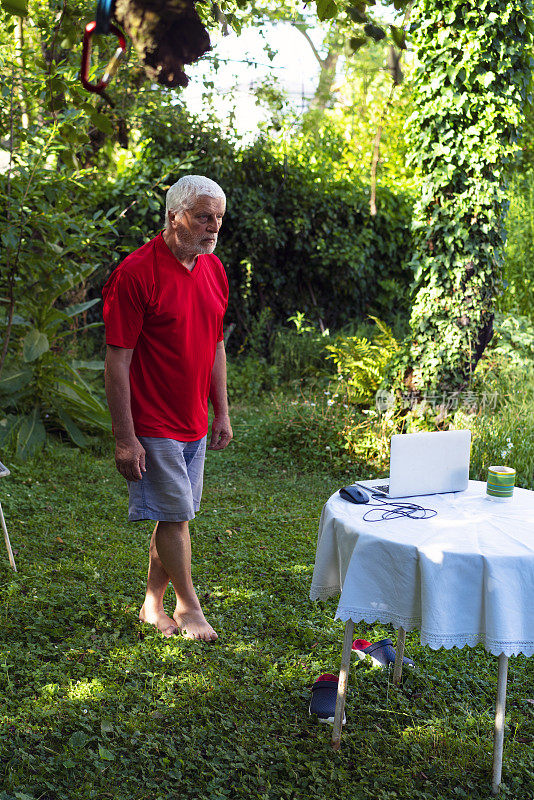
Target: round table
(463,576)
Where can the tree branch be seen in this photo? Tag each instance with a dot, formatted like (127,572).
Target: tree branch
(302,28)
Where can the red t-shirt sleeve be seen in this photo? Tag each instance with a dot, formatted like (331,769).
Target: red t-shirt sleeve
(125,303)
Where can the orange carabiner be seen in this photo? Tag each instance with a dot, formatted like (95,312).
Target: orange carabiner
(111,67)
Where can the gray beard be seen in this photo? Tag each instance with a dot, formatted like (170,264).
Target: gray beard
(206,249)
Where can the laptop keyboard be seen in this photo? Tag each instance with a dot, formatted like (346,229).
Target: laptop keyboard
(384,488)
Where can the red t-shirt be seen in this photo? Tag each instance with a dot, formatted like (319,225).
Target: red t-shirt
(172,319)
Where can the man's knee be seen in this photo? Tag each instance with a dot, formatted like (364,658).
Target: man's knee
(173,530)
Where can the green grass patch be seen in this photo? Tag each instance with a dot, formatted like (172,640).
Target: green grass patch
(95,707)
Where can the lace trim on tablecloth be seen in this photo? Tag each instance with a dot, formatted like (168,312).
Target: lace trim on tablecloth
(435,641)
(324,592)
(384,618)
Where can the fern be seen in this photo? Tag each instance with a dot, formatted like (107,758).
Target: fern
(361,363)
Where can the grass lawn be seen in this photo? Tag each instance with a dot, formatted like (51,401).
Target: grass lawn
(94,708)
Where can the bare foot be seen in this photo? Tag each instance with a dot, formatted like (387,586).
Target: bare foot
(194,625)
(163,623)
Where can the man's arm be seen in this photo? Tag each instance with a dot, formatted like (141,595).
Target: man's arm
(221,430)
(129,452)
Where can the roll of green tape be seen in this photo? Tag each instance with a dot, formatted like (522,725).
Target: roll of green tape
(501,482)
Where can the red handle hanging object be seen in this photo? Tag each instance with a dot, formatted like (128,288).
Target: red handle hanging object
(86,59)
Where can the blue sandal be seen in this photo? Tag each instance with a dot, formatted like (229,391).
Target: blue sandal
(323,701)
(382,654)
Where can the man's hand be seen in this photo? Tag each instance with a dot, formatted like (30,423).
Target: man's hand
(221,433)
(130,458)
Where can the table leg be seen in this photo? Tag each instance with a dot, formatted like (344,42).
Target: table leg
(500,710)
(399,655)
(342,684)
(6,538)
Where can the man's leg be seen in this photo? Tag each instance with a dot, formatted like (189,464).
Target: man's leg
(170,558)
(152,610)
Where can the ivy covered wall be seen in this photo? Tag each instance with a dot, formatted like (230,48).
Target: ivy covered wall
(472,80)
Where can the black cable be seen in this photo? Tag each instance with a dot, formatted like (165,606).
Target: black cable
(398,509)
(386,508)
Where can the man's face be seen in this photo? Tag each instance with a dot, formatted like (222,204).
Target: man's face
(197,228)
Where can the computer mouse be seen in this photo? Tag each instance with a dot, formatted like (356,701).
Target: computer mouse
(354,494)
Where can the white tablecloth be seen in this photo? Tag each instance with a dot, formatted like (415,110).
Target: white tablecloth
(462,577)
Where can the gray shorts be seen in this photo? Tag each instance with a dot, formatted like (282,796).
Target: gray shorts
(171,487)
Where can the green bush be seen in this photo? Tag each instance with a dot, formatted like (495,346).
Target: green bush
(300,352)
(292,238)
(249,377)
(41,387)
(505,438)
(498,408)
(52,243)
(306,431)
(513,339)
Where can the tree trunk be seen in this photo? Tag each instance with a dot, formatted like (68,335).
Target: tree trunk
(335,44)
(323,93)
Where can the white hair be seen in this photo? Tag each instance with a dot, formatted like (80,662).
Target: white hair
(183,194)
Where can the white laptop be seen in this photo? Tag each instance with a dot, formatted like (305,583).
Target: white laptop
(425,463)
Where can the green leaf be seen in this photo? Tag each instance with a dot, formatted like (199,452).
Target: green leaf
(9,239)
(326,9)
(79,381)
(81,404)
(14,380)
(78,739)
(34,344)
(8,427)
(31,435)
(78,330)
(398,36)
(68,281)
(17,7)
(18,320)
(96,365)
(78,308)
(56,248)
(376,33)
(105,754)
(72,429)
(102,122)
(356,42)
(357,14)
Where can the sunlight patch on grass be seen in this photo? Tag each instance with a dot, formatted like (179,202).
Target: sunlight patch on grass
(86,690)
(301,568)
(434,737)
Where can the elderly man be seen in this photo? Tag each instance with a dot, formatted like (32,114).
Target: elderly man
(163,309)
